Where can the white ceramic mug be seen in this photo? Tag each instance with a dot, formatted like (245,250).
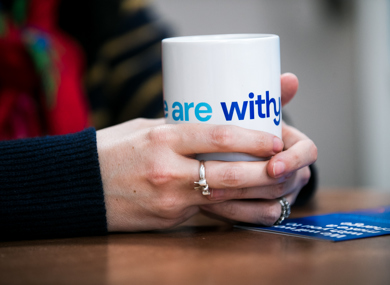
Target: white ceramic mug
(223,79)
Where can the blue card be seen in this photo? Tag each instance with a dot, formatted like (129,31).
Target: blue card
(333,227)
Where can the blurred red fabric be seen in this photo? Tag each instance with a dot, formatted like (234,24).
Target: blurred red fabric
(24,110)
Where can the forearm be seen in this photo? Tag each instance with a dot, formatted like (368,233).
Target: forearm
(51,187)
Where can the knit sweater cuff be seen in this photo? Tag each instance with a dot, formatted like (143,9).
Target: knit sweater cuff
(51,187)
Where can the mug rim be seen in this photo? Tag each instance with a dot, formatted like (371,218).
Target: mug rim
(218,38)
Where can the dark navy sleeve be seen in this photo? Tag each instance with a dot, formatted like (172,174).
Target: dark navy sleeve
(51,187)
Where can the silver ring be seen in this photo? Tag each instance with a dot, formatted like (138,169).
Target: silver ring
(286,211)
(202,183)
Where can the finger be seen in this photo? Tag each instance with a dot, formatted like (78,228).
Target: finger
(301,179)
(190,139)
(231,175)
(289,87)
(293,182)
(301,151)
(282,187)
(269,192)
(291,135)
(293,196)
(225,175)
(263,212)
(301,154)
(184,172)
(290,190)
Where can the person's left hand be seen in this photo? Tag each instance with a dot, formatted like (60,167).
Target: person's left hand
(290,167)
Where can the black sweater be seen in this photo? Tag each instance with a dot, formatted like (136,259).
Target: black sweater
(51,187)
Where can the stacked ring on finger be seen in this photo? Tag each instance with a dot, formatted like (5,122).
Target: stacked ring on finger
(202,183)
(286,211)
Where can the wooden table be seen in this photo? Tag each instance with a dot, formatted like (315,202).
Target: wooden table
(209,253)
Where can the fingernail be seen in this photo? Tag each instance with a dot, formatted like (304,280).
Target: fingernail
(278,145)
(279,168)
(217,194)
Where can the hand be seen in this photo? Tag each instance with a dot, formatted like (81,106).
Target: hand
(148,169)
(289,167)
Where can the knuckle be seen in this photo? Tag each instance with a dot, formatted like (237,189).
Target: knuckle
(230,210)
(159,135)
(241,193)
(169,208)
(221,136)
(278,191)
(166,224)
(296,160)
(231,177)
(140,121)
(159,175)
(272,214)
(262,142)
(287,131)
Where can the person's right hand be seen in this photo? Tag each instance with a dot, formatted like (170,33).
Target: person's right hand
(253,204)
(148,172)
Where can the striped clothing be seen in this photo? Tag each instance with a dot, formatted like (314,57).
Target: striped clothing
(122,42)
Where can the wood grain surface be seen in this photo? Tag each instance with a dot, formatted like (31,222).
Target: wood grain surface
(204,251)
